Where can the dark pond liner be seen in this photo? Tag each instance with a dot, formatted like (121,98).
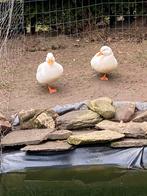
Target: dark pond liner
(95,155)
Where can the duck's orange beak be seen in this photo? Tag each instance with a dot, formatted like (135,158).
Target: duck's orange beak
(50,62)
(99,53)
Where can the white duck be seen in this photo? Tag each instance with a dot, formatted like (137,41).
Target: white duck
(48,72)
(104,62)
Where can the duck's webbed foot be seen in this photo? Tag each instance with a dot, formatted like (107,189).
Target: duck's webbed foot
(104,78)
(52,90)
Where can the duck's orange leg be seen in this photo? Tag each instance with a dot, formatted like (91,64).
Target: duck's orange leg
(52,90)
(104,78)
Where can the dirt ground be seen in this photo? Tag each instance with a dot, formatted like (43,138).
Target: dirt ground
(79,81)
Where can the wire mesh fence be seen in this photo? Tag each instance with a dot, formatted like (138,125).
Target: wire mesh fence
(11,29)
(11,21)
(102,18)
(105,21)
(75,17)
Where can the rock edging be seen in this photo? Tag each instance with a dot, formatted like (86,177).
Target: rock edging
(121,124)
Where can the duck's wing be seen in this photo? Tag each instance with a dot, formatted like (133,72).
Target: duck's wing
(59,66)
(111,61)
(41,73)
(40,67)
(95,60)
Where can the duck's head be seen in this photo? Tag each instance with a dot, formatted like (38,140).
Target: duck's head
(105,50)
(50,59)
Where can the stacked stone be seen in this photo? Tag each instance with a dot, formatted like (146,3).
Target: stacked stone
(100,121)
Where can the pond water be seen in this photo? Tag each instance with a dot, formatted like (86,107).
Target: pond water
(93,180)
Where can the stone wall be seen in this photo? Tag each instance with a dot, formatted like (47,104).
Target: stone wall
(95,122)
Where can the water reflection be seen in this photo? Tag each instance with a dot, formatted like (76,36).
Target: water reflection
(75,181)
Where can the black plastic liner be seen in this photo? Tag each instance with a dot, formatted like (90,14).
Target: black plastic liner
(125,158)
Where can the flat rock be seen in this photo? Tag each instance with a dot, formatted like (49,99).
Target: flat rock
(126,143)
(44,120)
(125,112)
(59,135)
(25,137)
(110,125)
(131,129)
(26,115)
(141,117)
(82,131)
(49,146)
(38,119)
(51,112)
(139,105)
(94,137)
(102,106)
(5,127)
(78,119)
